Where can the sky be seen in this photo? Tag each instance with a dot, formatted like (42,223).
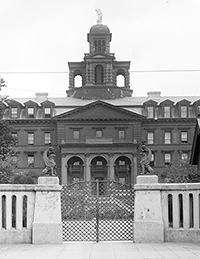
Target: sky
(161,38)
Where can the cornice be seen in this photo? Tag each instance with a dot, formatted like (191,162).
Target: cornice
(164,120)
(97,145)
(32,121)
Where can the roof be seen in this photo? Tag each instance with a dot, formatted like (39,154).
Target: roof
(99,29)
(126,101)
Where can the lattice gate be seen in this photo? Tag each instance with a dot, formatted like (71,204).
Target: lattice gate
(97,211)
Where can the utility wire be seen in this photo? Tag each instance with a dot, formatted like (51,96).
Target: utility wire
(132,71)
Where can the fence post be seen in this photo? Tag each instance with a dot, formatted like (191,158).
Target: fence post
(148,222)
(47,224)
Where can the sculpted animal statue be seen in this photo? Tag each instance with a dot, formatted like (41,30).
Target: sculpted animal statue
(145,160)
(49,156)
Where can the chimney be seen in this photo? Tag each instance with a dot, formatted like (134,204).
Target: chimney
(41,97)
(154,94)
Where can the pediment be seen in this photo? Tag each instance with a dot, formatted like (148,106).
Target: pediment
(166,102)
(99,110)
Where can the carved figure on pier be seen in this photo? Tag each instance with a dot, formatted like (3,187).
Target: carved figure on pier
(49,160)
(146,154)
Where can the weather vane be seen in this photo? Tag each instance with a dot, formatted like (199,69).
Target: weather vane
(99,15)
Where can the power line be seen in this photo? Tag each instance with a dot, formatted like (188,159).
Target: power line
(132,71)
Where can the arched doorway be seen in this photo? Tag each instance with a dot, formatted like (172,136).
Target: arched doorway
(99,168)
(123,169)
(75,169)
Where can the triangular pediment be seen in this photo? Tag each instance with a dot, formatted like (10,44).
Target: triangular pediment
(99,110)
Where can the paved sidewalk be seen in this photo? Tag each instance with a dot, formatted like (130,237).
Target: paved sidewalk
(107,250)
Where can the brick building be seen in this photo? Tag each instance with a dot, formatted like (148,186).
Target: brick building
(96,128)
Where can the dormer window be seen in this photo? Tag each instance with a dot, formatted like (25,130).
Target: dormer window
(150,112)
(167,111)
(184,111)
(47,112)
(30,112)
(14,112)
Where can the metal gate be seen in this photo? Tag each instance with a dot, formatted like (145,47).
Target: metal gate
(97,211)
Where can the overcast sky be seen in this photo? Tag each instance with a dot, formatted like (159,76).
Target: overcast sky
(43,35)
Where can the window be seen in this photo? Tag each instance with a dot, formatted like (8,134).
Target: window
(30,160)
(122,163)
(184,137)
(121,134)
(47,112)
(152,162)
(167,111)
(167,158)
(150,112)
(183,111)
(99,74)
(14,113)
(14,135)
(76,134)
(150,137)
(75,179)
(31,112)
(184,156)
(47,138)
(30,138)
(167,137)
(122,180)
(99,133)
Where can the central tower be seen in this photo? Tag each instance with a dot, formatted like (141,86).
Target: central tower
(99,70)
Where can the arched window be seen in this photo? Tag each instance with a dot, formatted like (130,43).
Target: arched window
(95,45)
(99,74)
(99,45)
(120,81)
(78,81)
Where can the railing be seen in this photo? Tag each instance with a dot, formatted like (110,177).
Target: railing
(16,213)
(181,211)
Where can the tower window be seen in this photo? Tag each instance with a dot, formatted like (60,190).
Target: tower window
(99,74)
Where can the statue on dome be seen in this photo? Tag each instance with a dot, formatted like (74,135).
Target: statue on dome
(146,154)
(49,156)
(99,15)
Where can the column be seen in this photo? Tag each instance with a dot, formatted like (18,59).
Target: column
(134,169)
(87,167)
(63,169)
(111,167)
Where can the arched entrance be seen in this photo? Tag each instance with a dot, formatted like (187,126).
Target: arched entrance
(123,170)
(75,169)
(99,168)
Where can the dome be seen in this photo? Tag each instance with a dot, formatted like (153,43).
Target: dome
(99,29)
